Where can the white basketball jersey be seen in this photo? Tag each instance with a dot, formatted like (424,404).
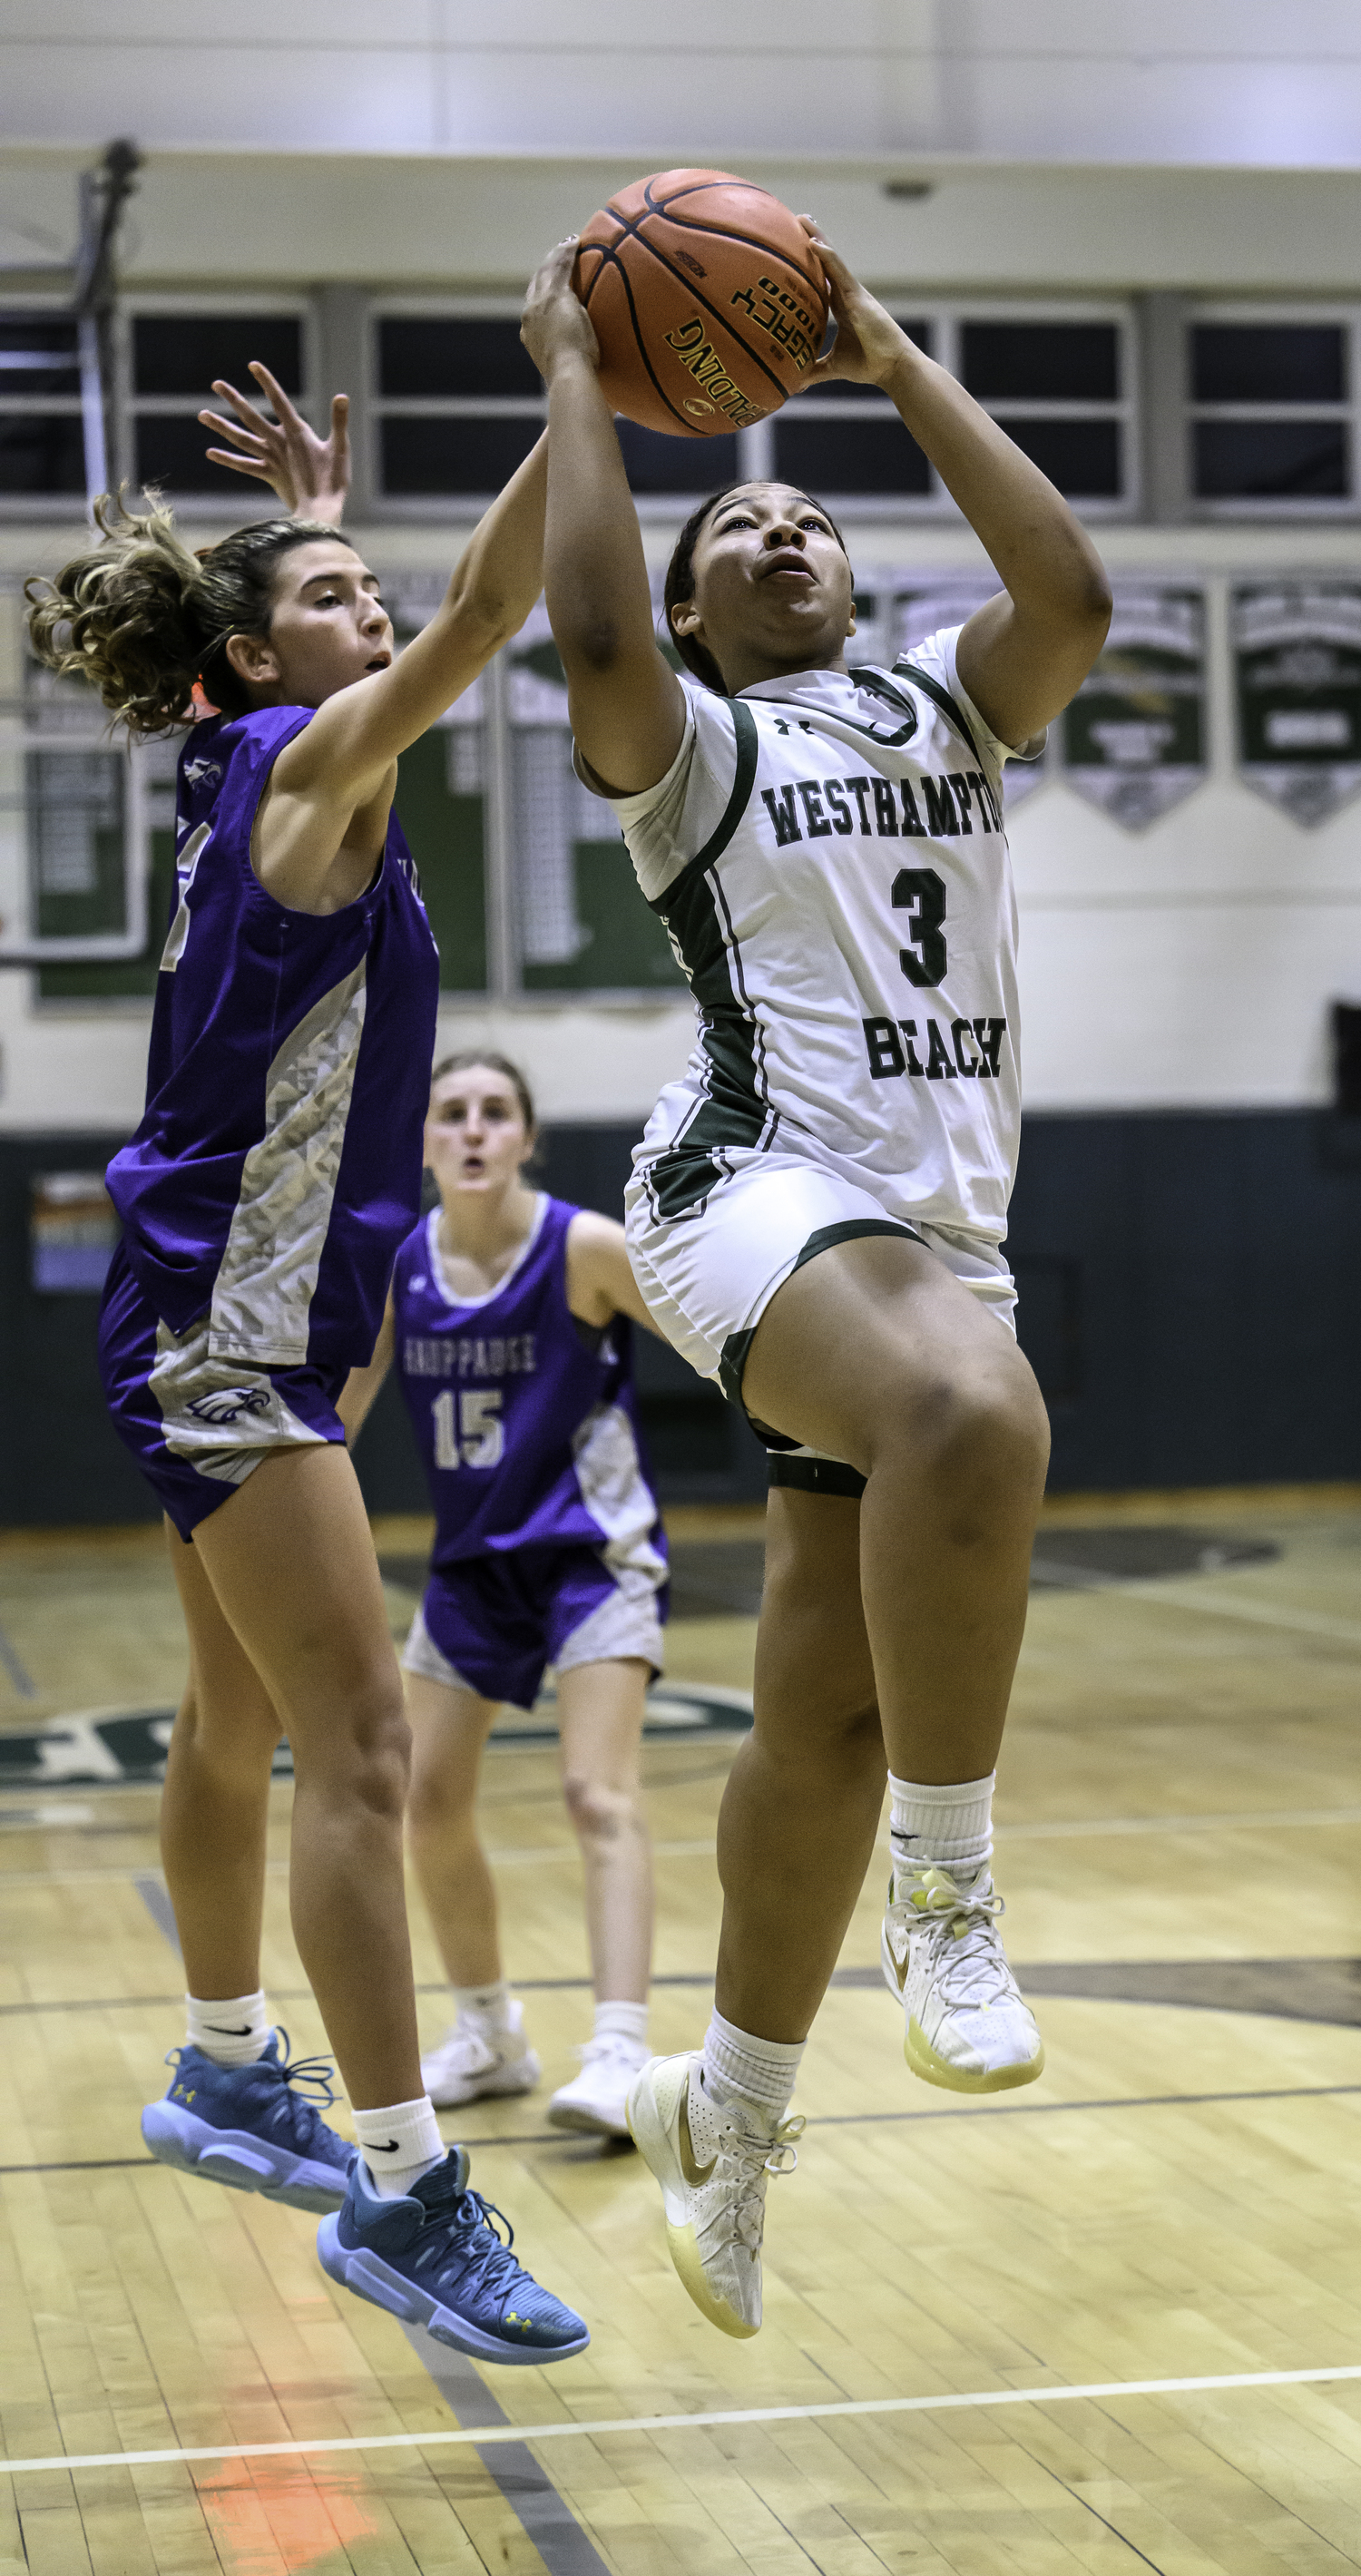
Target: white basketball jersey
(828,856)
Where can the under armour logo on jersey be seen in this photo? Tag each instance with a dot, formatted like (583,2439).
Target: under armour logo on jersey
(196,771)
(229,1403)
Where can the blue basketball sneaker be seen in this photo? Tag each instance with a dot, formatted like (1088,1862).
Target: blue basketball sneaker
(436,2259)
(246,2126)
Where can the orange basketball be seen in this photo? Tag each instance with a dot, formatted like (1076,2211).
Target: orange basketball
(707,301)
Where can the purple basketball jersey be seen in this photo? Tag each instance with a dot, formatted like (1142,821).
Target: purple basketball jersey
(526,1422)
(278,1163)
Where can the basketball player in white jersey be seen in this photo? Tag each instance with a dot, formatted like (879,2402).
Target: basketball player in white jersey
(818,1205)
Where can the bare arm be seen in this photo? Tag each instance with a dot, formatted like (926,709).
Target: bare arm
(600,1282)
(627,706)
(1022,656)
(363,1385)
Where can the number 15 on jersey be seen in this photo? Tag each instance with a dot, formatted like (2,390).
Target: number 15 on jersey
(479,1440)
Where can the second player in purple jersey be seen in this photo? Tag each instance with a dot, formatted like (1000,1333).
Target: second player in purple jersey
(525,1417)
(509,1323)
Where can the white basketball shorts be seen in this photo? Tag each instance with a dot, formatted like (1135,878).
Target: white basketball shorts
(708,1275)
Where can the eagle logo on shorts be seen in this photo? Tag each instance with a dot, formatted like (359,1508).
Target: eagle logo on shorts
(229,1403)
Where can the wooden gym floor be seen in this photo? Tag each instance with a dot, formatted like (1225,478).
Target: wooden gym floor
(1127,2336)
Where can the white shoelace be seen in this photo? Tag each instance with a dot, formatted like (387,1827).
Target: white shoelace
(754,2157)
(467,2051)
(969,1965)
(610,2043)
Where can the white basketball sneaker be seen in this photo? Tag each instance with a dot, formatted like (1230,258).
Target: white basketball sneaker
(713,2160)
(967,2025)
(597,2098)
(472,2061)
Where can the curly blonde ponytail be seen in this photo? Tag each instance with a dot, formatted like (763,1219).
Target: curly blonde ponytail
(141,618)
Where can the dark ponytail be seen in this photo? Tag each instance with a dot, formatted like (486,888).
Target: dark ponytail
(141,618)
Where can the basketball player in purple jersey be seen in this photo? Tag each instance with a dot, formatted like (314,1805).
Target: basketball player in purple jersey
(508,1318)
(275,1172)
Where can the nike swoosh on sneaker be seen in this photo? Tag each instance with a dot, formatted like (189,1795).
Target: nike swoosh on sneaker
(696,2175)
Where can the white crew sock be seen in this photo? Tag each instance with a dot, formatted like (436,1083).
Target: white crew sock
(487,2006)
(233,2033)
(761,2070)
(946,1828)
(399,2145)
(622,2021)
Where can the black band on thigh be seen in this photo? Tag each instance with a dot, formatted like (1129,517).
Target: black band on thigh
(828,1236)
(818,1476)
(733,1356)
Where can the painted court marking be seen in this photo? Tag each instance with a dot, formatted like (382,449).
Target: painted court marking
(1213,1605)
(481,2437)
(543,1855)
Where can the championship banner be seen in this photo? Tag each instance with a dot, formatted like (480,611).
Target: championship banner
(1297,673)
(1134,736)
(914,610)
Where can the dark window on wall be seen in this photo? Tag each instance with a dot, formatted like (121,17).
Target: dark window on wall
(421,357)
(173,358)
(437,454)
(1271,408)
(849,440)
(459,404)
(1041,361)
(1055,387)
(42,447)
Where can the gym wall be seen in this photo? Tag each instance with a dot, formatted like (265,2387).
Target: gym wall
(1184,1229)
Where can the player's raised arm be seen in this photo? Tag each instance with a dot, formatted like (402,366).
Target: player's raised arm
(1022,656)
(627,706)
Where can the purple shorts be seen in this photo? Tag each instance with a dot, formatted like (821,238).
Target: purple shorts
(198,1427)
(493,1624)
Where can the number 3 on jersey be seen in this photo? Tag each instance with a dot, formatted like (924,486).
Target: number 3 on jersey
(921,891)
(480,1438)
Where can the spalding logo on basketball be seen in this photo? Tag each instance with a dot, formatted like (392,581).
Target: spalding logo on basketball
(708,304)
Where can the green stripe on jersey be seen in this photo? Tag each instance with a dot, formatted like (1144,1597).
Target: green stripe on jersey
(735,1112)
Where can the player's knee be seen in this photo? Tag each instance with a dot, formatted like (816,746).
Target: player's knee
(367,1754)
(227,1731)
(983,1433)
(600,1814)
(439,1797)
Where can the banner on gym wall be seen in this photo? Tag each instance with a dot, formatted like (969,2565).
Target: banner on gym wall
(911,610)
(1134,736)
(1297,676)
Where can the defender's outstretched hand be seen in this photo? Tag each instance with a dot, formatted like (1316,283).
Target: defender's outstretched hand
(311,475)
(555,321)
(869,344)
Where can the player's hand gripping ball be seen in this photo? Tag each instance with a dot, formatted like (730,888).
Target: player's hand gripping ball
(708,302)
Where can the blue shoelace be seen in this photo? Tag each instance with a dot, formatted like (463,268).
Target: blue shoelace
(288,2114)
(304,2121)
(480,2248)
